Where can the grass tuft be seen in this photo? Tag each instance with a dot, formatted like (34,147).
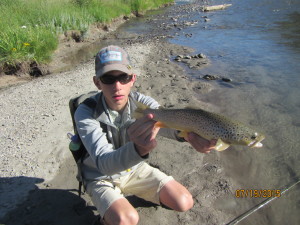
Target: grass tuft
(31,34)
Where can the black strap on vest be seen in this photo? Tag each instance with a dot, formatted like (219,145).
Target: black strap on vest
(91,103)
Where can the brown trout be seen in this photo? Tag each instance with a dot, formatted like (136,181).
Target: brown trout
(206,124)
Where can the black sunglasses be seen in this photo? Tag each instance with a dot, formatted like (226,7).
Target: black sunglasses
(124,78)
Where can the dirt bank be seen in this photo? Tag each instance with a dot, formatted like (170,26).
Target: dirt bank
(69,51)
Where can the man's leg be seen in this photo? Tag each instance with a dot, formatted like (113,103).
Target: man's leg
(111,204)
(121,212)
(176,196)
(153,185)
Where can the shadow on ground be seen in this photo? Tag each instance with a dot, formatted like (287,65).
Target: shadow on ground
(54,206)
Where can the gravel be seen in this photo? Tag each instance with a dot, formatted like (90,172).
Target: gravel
(34,123)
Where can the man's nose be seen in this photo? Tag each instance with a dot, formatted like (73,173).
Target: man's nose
(117,85)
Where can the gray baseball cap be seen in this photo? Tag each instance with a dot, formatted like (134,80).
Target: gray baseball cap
(112,58)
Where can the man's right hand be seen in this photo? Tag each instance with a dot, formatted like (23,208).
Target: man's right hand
(143,133)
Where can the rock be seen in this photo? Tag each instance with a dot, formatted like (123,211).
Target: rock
(188,35)
(216,77)
(216,7)
(226,79)
(201,56)
(211,77)
(187,57)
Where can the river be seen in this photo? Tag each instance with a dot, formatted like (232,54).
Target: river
(255,43)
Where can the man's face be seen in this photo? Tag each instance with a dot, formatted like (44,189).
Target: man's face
(116,94)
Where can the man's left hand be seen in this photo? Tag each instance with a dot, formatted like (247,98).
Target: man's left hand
(200,144)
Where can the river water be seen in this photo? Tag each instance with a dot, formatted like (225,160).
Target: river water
(256,43)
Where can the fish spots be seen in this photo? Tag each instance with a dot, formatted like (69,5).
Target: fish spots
(206,124)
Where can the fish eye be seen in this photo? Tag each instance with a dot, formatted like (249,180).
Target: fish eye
(253,137)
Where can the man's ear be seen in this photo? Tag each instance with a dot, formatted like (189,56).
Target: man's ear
(134,78)
(97,82)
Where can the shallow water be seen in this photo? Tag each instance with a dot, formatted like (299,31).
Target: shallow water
(256,43)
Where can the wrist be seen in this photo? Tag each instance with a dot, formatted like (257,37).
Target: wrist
(140,153)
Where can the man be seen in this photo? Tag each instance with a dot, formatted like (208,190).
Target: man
(118,145)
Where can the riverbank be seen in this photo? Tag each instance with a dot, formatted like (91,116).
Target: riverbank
(66,52)
(29,38)
(38,173)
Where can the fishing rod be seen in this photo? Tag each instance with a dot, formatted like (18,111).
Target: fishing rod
(260,205)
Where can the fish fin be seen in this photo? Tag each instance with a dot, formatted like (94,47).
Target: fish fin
(183,134)
(221,145)
(139,112)
(160,124)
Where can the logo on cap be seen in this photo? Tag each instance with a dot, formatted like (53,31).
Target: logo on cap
(110,56)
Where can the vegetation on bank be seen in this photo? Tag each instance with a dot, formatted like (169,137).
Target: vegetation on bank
(29,29)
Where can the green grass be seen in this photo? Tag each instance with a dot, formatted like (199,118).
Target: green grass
(29,29)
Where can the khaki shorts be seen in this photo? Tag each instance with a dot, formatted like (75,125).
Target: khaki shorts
(145,182)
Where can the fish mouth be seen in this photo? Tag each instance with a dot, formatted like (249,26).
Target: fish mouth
(256,143)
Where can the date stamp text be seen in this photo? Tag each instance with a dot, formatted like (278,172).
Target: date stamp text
(257,193)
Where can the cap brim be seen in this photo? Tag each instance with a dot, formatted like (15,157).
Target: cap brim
(108,68)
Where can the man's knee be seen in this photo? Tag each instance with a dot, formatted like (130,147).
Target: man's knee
(130,218)
(121,213)
(185,202)
(176,196)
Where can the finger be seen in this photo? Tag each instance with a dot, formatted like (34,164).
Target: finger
(199,143)
(147,134)
(144,129)
(212,144)
(144,121)
(147,138)
(154,132)
(141,121)
(196,139)
(146,143)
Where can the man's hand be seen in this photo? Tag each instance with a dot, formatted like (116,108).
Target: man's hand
(143,133)
(200,144)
